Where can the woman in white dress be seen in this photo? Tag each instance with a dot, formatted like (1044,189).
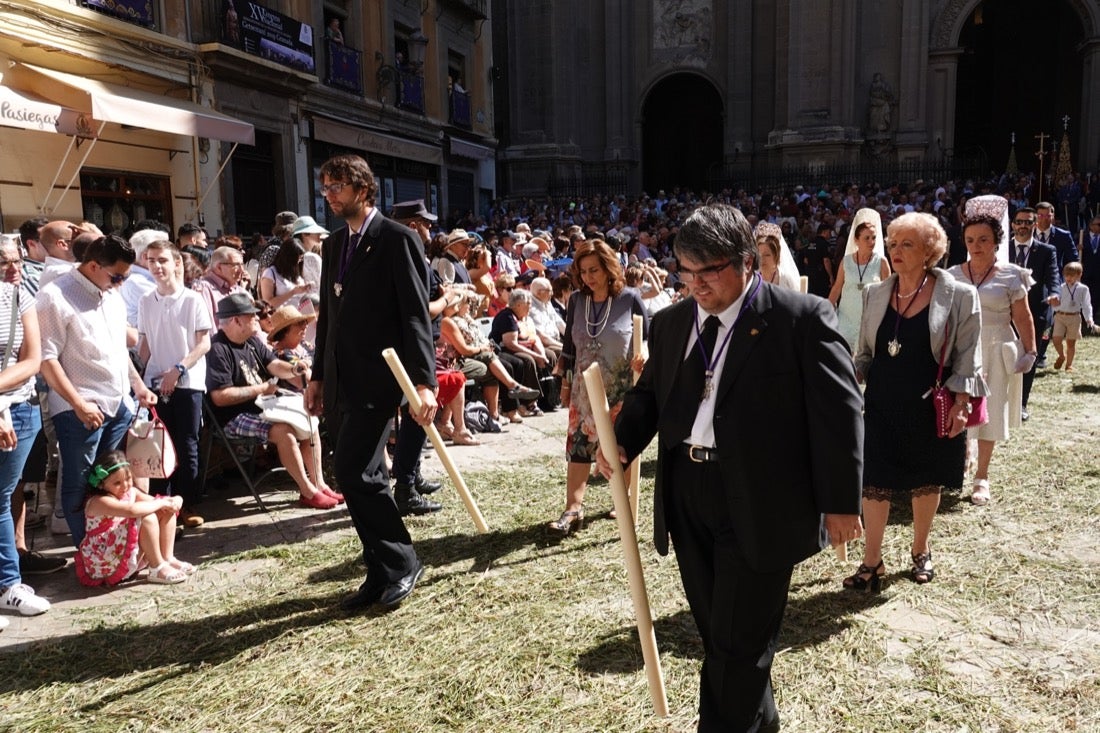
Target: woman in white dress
(864,263)
(1008,333)
(777,265)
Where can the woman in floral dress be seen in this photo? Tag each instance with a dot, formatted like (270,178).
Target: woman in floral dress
(599,327)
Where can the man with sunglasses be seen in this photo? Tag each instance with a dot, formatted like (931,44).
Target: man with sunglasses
(751,391)
(1042,260)
(87,365)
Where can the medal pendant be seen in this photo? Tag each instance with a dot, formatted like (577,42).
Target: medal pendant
(893,347)
(859,286)
(338,288)
(708,386)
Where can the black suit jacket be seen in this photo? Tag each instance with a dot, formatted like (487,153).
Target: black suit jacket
(1089,261)
(787,423)
(1063,244)
(384,303)
(1042,260)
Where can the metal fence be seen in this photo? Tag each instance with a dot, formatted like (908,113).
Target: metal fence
(592,180)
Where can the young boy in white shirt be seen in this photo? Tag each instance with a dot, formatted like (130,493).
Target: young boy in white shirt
(1073,304)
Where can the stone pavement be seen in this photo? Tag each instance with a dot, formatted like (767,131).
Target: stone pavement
(235,524)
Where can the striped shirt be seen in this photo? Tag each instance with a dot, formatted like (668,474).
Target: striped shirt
(24,391)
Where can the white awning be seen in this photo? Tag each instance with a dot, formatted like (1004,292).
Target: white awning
(31,112)
(112,103)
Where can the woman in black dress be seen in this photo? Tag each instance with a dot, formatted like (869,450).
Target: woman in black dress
(906,320)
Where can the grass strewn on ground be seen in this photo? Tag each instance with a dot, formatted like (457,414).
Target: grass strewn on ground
(512,632)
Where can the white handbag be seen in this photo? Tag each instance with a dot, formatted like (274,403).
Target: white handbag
(288,408)
(149,448)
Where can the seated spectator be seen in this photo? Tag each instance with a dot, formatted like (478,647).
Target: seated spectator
(283,282)
(503,286)
(480,267)
(463,346)
(548,324)
(514,333)
(563,288)
(222,278)
(239,368)
(287,329)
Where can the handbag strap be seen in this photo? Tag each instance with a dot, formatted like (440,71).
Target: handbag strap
(943,354)
(11,327)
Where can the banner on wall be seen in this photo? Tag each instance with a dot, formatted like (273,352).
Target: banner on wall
(135,11)
(263,32)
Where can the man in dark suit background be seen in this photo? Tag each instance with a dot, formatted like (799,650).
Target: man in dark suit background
(1057,237)
(1090,260)
(1042,260)
(374,295)
(740,506)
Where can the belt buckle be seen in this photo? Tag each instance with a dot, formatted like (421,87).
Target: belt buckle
(691,453)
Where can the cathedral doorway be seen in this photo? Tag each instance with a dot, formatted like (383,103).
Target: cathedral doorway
(1020,72)
(682,126)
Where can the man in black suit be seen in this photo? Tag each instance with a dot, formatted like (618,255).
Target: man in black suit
(739,374)
(1090,260)
(1042,260)
(1057,237)
(374,295)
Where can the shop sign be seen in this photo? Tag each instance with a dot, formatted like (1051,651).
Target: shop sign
(19,111)
(135,11)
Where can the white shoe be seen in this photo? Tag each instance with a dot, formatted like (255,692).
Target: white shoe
(4,622)
(21,598)
(58,525)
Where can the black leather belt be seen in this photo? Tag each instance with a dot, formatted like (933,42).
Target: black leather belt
(698,453)
(1067,313)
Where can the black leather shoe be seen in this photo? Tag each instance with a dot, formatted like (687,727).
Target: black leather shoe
(522,393)
(409,501)
(399,590)
(424,486)
(367,595)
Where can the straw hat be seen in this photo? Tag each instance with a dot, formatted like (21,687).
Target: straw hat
(287,315)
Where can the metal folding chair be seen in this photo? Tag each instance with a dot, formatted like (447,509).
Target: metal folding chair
(235,447)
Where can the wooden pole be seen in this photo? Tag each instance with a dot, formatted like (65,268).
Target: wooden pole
(593,381)
(407,387)
(636,466)
(803,284)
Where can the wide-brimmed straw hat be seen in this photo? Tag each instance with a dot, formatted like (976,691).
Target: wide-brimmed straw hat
(288,315)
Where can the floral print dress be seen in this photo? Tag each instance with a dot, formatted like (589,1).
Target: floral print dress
(109,552)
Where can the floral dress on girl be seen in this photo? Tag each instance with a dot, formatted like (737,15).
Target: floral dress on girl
(109,552)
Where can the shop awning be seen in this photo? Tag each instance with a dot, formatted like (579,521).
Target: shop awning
(111,103)
(361,138)
(31,112)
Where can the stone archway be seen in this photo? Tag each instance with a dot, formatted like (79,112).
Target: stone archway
(1015,66)
(682,132)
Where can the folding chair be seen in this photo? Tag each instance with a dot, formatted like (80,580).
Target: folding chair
(234,446)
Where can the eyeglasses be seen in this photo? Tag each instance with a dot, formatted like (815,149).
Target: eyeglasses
(333,188)
(12,263)
(116,278)
(1023,222)
(265,314)
(507,289)
(232,264)
(706,274)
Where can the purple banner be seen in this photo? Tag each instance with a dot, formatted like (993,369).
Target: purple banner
(343,67)
(268,34)
(135,11)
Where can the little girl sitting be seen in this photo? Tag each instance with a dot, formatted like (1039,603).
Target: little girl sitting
(127,529)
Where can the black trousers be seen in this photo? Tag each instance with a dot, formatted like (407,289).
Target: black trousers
(361,475)
(1041,344)
(738,611)
(182,415)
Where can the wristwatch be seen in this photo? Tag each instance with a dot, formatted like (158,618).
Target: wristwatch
(181,369)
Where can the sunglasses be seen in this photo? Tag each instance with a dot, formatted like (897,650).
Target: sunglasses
(508,289)
(117,279)
(1023,222)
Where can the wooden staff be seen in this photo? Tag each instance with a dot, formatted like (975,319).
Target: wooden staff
(803,284)
(593,381)
(636,466)
(407,387)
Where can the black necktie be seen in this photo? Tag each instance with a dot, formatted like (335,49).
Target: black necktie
(1021,255)
(1043,237)
(345,257)
(695,366)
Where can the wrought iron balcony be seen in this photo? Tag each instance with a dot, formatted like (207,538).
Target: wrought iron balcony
(474,8)
(343,67)
(460,109)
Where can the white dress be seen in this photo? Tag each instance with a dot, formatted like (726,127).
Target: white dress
(1000,345)
(850,309)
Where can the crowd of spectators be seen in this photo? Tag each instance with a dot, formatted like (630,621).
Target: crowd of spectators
(502,282)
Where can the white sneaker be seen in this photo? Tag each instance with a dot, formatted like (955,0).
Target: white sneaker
(4,622)
(21,598)
(58,525)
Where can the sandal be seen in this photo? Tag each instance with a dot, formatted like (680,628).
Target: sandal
(166,574)
(445,431)
(464,437)
(514,417)
(923,571)
(186,567)
(979,496)
(866,579)
(568,521)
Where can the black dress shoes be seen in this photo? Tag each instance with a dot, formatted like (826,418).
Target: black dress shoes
(399,590)
(424,486)
(367,595)
(409,501)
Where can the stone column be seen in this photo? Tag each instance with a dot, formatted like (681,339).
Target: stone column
(943,69)
(1088,154)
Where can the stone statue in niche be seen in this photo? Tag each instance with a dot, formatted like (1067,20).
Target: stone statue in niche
(684,27)
(880,117)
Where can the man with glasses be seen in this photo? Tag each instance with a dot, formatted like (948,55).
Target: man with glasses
(87,365)
(374,296)
(1042,260)
(221,279)
(742,508)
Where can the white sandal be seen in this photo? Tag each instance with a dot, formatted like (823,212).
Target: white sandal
(979,496)
(166,574)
